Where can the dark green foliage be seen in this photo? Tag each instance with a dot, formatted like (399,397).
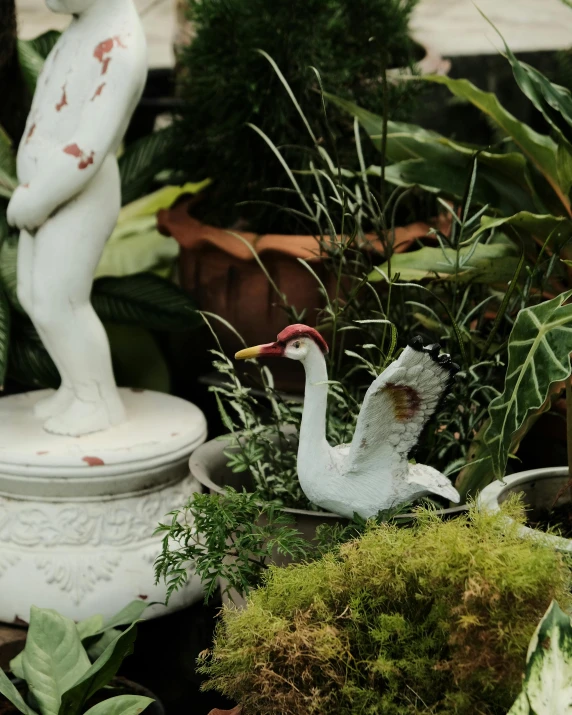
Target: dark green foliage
(231,536)
(431,619)
(227,84)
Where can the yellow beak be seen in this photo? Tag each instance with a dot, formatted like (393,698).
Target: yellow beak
(248,353)
(268,350)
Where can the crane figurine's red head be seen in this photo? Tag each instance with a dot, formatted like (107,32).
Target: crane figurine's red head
(293,342)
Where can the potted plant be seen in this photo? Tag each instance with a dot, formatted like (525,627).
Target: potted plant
(538,369)
(233,100)
(71,668)
(432,628)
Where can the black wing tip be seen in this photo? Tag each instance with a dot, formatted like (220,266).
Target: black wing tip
(443,360)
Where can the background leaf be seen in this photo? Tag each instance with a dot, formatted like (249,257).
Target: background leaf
(540,149)
(144,300)
(121,705)
(142,161)
(99,674)
(9,691)
(485,263)
(53,658)
(538,357)
(4,335)
(547,687)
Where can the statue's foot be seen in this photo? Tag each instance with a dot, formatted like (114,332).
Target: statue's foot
(85,417)
(55,404)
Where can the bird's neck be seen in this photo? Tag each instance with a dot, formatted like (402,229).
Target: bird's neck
(313,427)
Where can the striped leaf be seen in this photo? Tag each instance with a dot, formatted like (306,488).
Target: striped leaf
(547,687)
(145,300)
(538,363)
(8,270)
(4,335)
(142,161)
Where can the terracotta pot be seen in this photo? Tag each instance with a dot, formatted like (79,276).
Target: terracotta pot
(219,269)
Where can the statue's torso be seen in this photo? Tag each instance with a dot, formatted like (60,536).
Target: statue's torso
(77,73)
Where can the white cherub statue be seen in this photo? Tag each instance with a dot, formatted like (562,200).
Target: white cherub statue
(68,200)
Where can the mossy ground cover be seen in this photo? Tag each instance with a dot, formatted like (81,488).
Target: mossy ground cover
(435,618)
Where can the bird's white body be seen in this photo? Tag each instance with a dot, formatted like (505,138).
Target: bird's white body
(373,473)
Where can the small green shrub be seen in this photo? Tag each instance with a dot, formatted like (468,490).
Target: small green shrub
(435,618)
(226,85)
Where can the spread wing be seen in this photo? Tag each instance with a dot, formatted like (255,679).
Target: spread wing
(397,405)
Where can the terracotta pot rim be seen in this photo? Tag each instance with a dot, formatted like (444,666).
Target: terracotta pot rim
(194,236)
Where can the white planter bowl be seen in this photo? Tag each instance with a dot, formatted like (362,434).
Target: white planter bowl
(539,488)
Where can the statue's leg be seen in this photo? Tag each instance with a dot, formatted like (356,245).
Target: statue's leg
(67,250)
(63,397)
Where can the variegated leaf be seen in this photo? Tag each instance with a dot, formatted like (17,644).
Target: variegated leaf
(538,356)
(547,686)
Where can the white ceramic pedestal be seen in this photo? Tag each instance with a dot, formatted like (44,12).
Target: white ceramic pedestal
(77,514)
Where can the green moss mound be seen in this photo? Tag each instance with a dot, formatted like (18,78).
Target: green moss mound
(430,619)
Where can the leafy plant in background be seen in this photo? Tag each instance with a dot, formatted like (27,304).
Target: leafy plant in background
(55,673)
(537,176)
(547,684)
(397,621)
(122,293)
(226,85)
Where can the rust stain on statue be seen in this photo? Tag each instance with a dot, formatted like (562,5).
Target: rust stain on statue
(73,150)
(31,132)
(98,91)
(104,48)
(86,161)
(63,101)
(43,452)
(406,401)
(93,461)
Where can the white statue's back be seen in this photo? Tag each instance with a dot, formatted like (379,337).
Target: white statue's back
(91,62)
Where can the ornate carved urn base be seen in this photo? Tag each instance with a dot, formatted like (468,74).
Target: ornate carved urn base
(77,514)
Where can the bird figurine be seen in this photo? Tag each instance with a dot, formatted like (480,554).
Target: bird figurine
(372,473)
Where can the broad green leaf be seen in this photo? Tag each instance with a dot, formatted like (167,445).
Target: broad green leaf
(5,321)
(9,270)
(96,646)
(8,179)
(121,705)
(90,626)
(540,149)
(448,176)
(45,43)
(136,247)
(552,100)
(29,363)
(99,674)
(521,706)
(137,358)
(127,616)
(143,160)
(144,299)
(538,358)
(53,659)
(539,225)
(9,691)
(487,263)
(164,198)
(16,666)
(548,679)
(31,63)
(437,164)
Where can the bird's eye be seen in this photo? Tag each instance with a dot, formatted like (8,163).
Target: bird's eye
(297,344)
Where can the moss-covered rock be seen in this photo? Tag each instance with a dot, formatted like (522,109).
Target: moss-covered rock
(430,619)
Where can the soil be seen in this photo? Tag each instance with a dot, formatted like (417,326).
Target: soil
(557,521)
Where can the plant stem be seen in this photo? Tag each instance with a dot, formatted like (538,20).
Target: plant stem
(569,430)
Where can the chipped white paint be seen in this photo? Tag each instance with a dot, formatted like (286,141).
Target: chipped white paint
(68,200)
(372,473)
(77,514)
